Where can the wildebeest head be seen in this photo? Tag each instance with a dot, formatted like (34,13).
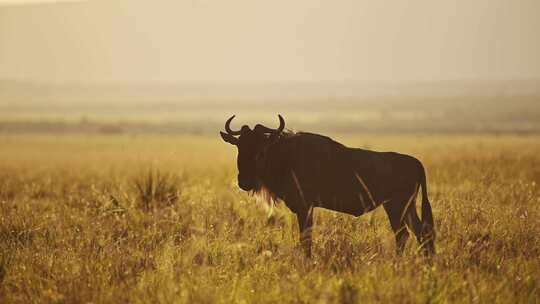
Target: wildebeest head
(251,146)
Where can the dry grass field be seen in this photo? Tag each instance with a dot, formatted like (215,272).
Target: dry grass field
(159,219)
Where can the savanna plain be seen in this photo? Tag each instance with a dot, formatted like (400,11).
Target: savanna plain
(159,219)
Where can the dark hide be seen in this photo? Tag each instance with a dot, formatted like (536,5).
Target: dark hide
(309,170)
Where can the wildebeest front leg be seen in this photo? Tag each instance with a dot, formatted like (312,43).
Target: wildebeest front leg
(305,223)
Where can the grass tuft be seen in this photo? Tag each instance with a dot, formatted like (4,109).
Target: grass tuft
(157,189)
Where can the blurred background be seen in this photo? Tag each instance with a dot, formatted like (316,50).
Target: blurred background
(183,67)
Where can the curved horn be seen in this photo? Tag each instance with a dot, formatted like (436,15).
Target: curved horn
(281,124)
(228,126)
(273,131)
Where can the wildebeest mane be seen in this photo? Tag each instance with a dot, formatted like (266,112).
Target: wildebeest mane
(261,190)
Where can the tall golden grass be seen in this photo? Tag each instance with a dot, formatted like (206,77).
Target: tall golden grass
(159,219)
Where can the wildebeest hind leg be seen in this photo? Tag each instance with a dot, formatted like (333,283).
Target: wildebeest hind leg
(414,223)
(394,209)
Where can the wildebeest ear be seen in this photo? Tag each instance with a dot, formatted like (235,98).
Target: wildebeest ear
(229,138)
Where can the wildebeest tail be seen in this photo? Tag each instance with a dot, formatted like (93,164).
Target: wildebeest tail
(428,227)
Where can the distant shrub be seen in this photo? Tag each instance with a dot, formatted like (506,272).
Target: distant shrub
(157,189)
(110,129)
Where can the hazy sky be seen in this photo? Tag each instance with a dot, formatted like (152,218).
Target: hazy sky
(238,41)
(24,2)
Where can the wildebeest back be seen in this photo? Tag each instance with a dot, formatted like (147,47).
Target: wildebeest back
(311,168)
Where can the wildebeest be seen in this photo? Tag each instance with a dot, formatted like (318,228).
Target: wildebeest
(307,170)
